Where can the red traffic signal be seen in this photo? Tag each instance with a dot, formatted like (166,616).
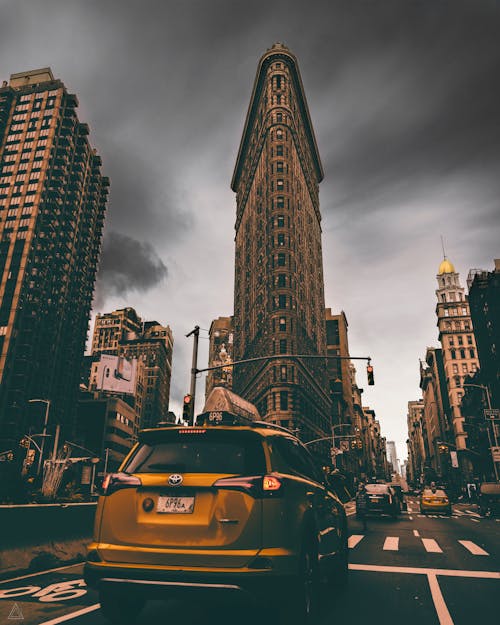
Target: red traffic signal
(186,410)
(369,373)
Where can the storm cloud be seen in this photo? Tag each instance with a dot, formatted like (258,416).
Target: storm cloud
(127,266)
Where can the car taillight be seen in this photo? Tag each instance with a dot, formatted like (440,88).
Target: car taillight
(117,481)
(257,486)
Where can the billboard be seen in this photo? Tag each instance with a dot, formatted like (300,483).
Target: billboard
(117,374)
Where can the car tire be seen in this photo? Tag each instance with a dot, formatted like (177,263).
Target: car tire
(118,608)
(300,606)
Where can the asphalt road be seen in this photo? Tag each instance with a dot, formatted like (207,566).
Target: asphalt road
(432,570)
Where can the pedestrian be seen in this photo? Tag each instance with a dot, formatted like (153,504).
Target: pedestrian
(362,504)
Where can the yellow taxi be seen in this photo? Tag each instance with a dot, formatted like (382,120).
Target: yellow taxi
(232,506)
(435,500)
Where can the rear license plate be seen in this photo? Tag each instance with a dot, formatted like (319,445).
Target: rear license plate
(175,505)
(375,499)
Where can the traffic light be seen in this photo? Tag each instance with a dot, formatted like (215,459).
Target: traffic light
(443,449)
(186,408)
(369,373)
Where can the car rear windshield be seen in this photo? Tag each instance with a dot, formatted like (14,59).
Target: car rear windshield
(377,488)
(433,493)
(199,454)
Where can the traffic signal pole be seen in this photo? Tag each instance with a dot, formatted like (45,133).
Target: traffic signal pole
(194,370)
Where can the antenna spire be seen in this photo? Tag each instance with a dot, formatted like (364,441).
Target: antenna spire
(442,245)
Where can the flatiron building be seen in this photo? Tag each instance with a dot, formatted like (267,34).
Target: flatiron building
(279,303)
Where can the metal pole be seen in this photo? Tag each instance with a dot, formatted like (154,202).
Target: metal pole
(106,461)
(194,370)
(44,432)
(56,442)
(492,460)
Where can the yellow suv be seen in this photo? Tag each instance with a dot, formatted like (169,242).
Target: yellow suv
(239,507)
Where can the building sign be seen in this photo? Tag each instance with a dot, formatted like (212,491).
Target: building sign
(454,459)
(117,374)
(492,413)
(86,474)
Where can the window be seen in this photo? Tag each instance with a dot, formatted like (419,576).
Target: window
(472,353)
(279,166)
(455,368)
(283,346)
(453,354)
(280,202)
(280,221)
(279,117)
(452,341)
(469,340)
(282,324)
(462,353)
(283,397)
(282,301)
(283,375)
(281,239)
(281,260)
(279,133)
(279,150)
(464,368)
(279,184)
(281,279)
(460,340)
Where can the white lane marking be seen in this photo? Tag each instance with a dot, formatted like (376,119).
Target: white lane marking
(411,518)
(415,533)
(473,548)
(437,596)
(475,520)
(431,545)
(71,615)
(472,513)
(378,568)
(421,516)
(354,540)
(59,568)
(391,543)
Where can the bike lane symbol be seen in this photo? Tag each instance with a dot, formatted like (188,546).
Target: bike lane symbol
(16,613)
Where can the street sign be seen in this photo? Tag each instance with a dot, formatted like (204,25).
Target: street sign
(495,454)
(344,445)
(454,459)
(492,413)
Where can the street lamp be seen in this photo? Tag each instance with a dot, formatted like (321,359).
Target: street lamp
(44,433)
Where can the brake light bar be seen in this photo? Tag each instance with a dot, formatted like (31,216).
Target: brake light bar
(118,481)
(258,486)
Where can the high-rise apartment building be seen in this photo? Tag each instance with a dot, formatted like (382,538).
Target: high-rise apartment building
(123,332)
(458,348)
(52,205)
(279,302)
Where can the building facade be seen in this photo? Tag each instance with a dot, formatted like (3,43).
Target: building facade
(123,332)
(220,353)
(416,442)
(279,299)
(52,205)
(458,350)
(484,302)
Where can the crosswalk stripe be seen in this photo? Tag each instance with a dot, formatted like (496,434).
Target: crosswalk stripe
(475,520)
(473,548)
(391,543)
(354,540)
(431,545)
(415,533)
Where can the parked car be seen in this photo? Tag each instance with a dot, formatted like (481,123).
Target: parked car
(382,499)
(235,508)
(435,500)
(489,499)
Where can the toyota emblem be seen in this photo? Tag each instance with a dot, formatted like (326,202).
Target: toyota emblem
(175,480)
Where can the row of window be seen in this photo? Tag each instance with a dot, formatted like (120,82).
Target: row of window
(465,369)
(452,312)
(460,340)
(462,353)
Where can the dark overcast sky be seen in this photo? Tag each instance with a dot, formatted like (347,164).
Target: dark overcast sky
(404,99)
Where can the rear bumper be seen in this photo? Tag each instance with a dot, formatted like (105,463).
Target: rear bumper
(149,583)
(435,509)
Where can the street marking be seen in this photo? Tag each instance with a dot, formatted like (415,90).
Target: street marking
(431,545)
(437,596)
(354,540)
(415,533)
(391,543)
(68,617)
(378,568)
(473,548)
(59,568)
(475,520)
(472,513)
(421,516)
(411,518)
